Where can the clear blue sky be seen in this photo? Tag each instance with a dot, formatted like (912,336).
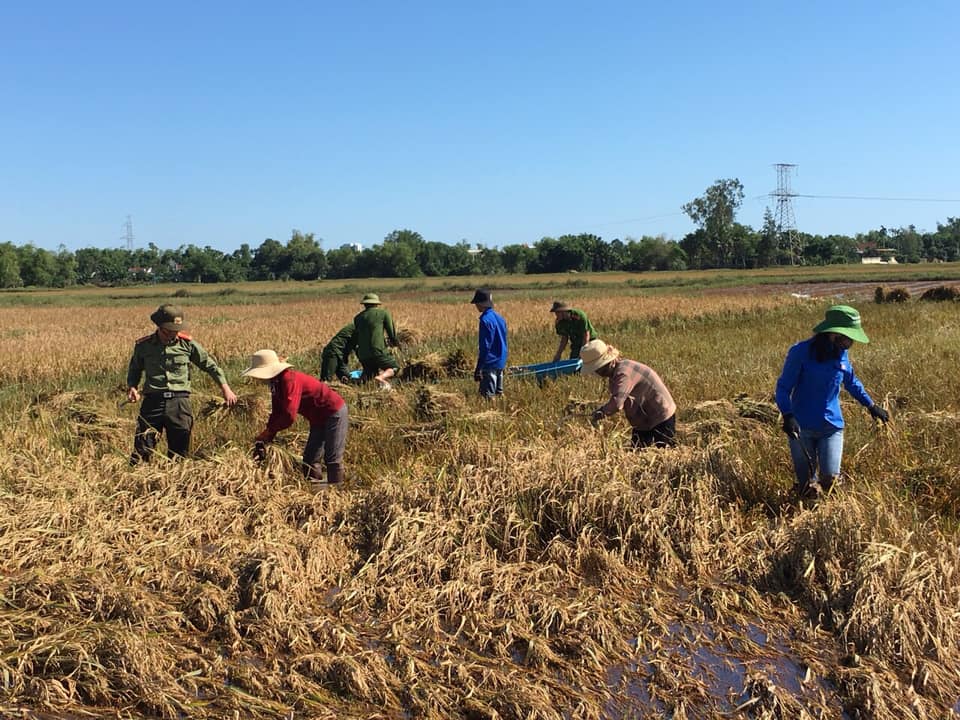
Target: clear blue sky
(218,123)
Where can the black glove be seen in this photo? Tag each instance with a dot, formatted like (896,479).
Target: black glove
(477,376)
(259,451)
(596,416)
(790,425)
(879,413)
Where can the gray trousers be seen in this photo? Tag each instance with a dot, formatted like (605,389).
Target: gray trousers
(326,441)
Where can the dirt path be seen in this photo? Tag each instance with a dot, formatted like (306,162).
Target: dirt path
(846,290)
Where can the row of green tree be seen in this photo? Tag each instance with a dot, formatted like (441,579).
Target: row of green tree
(719,241)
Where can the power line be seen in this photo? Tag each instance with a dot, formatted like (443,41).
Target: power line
(640,219)
(874,197)
(865,197)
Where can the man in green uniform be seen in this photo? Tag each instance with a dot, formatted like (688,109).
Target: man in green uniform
(164,357)
(333,359)
(375,328)
(572,326)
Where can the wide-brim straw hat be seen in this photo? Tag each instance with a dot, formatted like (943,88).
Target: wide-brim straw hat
(559,306)
(265,364)
(370,299)
(596,353)
(843,320)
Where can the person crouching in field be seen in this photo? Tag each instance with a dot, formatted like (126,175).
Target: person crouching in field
(637,390)
(336,353)
(808,395)
(492,346)
(164,357)
(293,392)
(372,325)
(572,326)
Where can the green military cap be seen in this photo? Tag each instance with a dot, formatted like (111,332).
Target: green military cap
(169,317)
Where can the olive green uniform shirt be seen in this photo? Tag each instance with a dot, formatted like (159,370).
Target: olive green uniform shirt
(341,344)
(371,325)
(574,328)
(167,367)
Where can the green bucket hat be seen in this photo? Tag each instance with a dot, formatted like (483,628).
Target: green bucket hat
(843,320)
(169,317)
(370,299)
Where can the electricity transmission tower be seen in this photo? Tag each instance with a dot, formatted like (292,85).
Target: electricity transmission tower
(128,232)
(787,235)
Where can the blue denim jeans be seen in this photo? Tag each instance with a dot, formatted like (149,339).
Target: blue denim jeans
(491,383)
(822,448)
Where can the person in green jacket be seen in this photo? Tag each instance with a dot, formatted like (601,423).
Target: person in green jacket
(163,358)
(374,329)
(336,353)
(572,326)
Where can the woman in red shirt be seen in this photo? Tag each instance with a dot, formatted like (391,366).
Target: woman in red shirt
(294,392)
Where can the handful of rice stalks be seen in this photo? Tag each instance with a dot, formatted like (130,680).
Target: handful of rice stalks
(409,335)
(429,404)
(757,409)
(428,367)
(456,364)
(247,407)
(79,407)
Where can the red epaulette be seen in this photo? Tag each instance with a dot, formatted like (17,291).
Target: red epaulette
(144,338)
(184,336)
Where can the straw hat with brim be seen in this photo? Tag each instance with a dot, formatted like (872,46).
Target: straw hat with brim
(559,306)
(370,299)
(596,353)
(843,320)
(169,317)
(264,364)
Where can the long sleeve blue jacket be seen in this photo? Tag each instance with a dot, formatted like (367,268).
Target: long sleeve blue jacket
(811,390)
(492,350)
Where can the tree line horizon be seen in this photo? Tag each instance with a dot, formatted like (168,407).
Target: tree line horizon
(718,241)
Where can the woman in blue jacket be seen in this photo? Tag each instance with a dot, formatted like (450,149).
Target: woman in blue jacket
(808,395)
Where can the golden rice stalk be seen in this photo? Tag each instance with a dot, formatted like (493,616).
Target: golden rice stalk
(430,404)
(249,406)
(941,293)
(757,409)
(577,406)
(429,368)
(409,335)
(457,364)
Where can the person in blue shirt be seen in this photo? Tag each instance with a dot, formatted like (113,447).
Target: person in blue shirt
(492,350)
(808,395)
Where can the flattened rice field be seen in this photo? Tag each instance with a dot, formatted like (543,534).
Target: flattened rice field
(483,560)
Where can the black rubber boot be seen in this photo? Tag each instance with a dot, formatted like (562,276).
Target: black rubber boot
(334,473)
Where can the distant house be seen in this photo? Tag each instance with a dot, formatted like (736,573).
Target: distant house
(870,254)
(137,271)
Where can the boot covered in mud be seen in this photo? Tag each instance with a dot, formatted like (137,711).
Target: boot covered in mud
(808,490)
(827,482)
(314,472)
(335,473)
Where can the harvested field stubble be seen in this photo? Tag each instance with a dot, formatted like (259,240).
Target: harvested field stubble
(483,561)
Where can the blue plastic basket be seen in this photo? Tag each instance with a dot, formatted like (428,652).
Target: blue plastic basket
(547,370)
